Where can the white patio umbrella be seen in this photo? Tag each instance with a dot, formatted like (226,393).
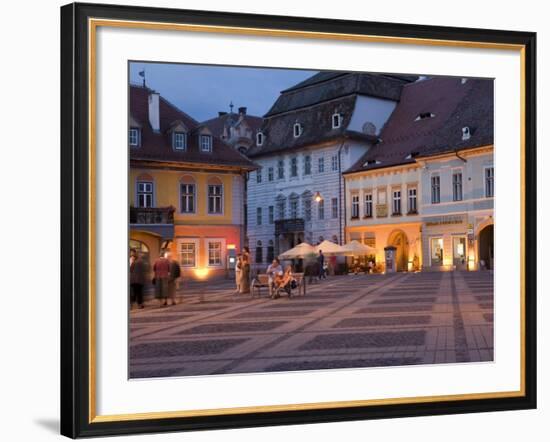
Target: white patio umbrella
(300,251)
(330,249)
(355,248)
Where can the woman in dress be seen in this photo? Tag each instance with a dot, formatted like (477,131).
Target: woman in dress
(245,275)
(238,273)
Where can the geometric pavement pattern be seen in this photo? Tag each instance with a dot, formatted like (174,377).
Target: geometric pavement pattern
(343,322)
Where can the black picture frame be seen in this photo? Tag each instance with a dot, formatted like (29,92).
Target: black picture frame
(75,221)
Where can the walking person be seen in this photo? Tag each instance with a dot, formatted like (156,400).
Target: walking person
(161,269)
(238,273)
(245,275)
(138,276)
(321,264)
(173,277)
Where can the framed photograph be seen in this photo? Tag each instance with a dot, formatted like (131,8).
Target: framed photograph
(274,220)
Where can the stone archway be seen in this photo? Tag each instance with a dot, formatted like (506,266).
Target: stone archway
(486,247)
(398,239)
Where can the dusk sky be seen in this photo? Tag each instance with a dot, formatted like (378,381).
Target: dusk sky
(202,91)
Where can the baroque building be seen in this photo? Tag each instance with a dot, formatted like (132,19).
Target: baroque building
(427,186)
(314,131)
(186,187)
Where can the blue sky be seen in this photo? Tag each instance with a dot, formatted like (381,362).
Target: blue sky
(202,91)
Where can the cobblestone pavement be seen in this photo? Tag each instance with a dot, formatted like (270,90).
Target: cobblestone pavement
(343,322)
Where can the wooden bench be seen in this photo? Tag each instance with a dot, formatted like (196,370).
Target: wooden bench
(300,286)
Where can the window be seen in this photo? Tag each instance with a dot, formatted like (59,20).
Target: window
(321,209)
(187,195)
(354,206)
(215,198)
(270,251)
(297,130)
(412,200)
(259,216)
(270,174)
(259,252)
(133,136)
(294,167)
(179,141)
(334,205)
(214,253)
(307,165)
(206,143)
(294,208)
(271,214)
(334,163)
(336,121)
(424,116)
(307,208)
(281,209)
(396,205)
(321,165)
(489,182)
(259,176)
(368,205)
(259,138)
(281,169)
(144,194)
(457,186)
(436,191)
(188,254)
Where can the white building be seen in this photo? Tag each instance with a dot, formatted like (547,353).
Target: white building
(427,188)
(314,131)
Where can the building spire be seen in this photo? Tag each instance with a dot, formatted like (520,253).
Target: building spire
(231,106)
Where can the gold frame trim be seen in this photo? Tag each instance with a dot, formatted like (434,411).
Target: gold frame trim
(93,24)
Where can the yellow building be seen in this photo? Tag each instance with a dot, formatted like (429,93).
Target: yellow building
(186,188)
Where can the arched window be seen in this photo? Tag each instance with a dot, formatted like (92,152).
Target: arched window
(188,194)
(215,196)
(259,252)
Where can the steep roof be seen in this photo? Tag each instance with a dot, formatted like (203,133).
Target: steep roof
(325,86)
(157,146)
(231,119)
(429,119)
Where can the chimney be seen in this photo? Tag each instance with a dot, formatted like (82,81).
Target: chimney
(154,112)
(242,110)
(221,113)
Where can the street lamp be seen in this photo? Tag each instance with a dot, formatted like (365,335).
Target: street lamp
(317,197)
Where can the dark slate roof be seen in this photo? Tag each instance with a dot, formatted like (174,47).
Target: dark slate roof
(317,127)
(231,119)
(158,146)
(454,105)
(325,86)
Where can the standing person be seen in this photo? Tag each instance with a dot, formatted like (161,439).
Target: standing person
(321,263)
(273,271)
(138,276)
(238,273)
(173,276)
(245,275)
(161,268)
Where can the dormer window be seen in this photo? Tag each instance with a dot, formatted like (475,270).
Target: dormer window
(336,121)
(133,136)
(424,116)
(179,140)
(206,143)
(466,133)
(297,130)
(259,138)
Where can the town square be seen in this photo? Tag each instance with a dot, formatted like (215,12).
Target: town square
(332,220)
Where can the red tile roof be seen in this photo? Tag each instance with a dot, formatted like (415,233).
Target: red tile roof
(157,146)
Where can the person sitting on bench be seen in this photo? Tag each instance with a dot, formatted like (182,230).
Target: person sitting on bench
(284,282)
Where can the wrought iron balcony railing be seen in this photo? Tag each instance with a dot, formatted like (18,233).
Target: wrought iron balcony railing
(152,215)
(293,225)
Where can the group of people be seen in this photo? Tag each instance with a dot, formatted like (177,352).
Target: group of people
(278,279)
(166,273)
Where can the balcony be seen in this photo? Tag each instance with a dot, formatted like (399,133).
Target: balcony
(294,225)
(158,221)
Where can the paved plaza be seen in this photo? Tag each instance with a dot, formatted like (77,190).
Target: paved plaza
(343,322)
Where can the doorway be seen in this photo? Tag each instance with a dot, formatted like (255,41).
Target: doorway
(486,248)
(459,252)
(398,239)
(436,252)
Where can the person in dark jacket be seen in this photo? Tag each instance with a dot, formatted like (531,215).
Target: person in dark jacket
(138,277)
(161,267)
(321,264)
(174,274)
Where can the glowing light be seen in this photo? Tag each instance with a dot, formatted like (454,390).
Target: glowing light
(201,273)
(231,246)
(317,197)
